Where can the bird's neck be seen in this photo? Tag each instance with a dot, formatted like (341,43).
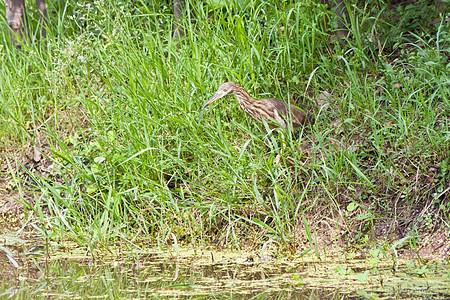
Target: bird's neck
(243,98)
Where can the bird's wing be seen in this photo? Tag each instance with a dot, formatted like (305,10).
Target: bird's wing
(279,105)
(282,108)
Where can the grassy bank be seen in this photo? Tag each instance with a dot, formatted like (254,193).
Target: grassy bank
(113,104)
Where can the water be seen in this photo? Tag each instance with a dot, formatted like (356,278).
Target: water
(208,274)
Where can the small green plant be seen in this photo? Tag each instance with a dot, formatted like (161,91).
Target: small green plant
(374,253)
(363,276)
(298,281)
(343,271)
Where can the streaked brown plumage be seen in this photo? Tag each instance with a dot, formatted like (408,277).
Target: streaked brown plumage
(277,113)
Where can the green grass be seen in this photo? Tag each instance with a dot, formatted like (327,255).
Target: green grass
(115,101)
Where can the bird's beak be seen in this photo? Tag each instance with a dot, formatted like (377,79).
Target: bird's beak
(216,96)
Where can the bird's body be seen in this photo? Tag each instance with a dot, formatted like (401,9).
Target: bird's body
(277,113)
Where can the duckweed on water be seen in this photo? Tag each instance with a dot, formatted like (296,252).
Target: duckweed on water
(200,273)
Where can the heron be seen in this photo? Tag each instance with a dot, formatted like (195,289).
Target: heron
(274,111)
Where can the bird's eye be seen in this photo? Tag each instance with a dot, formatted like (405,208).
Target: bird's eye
(224,90)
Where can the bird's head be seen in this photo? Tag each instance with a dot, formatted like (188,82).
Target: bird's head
(224,89)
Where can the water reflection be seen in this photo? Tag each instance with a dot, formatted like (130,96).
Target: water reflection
(159,275)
